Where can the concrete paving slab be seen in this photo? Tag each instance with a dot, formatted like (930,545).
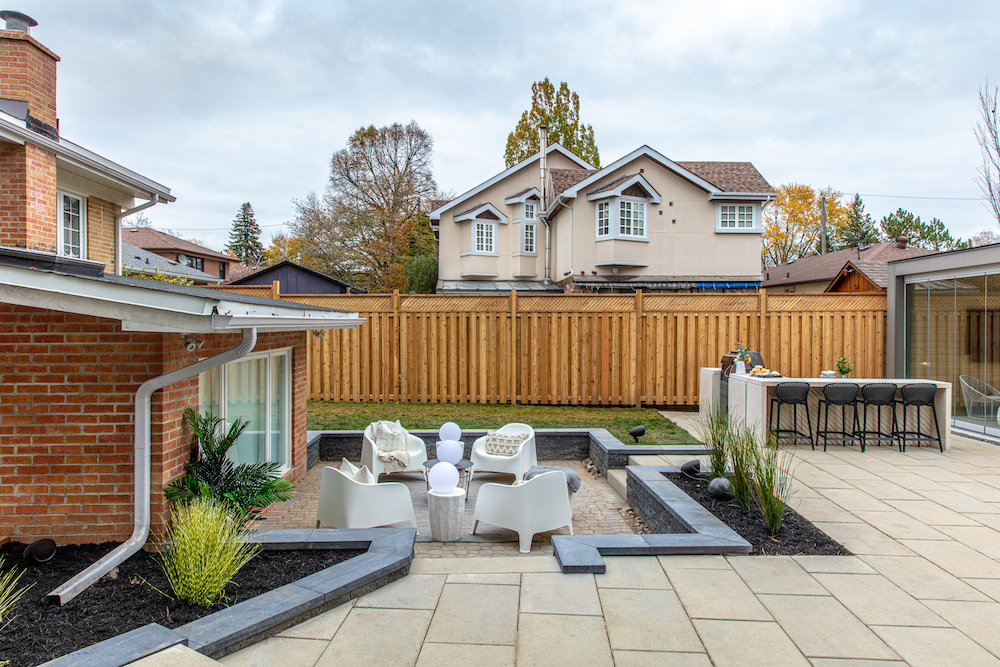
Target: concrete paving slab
(632,572)
(176,656)
(912,481)
(855,499)
(475,614)
(823,627)
(834,564)
(679,562)
(464,655)
(983,539)
(484,565)
(660,658)
(840,662)
(922,579)
(277,651)
(977,620)
(512,579)
(883,489)
(547,639)
(776,574)
(861,538)
(932,513)
(900,525)
(977,490)
(960,560)
(990,587)
(324,626)
(935,647)
(717,594)
(416,591)
(547,593)
(877,601)
(846,471)
(377,637)
(959,502)
(741,643)
(822,509)
(647,620)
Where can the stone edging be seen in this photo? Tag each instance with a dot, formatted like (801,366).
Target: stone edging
(390,551)
(662,505)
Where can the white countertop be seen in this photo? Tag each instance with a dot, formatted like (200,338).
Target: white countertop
(822,382)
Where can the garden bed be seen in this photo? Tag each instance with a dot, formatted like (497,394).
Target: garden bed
(41,632)
(797,537)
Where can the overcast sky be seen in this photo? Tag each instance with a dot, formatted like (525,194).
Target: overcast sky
(241,100)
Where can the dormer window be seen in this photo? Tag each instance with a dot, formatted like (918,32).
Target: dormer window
(622,208)
(484,219)
(72,233)
(528,210)
(485,236)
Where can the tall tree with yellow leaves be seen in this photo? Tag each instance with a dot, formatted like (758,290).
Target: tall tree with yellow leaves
(792,222)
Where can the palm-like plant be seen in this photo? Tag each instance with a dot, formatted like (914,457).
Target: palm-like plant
(247,487)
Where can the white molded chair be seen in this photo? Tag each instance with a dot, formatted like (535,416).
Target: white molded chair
(344,503)
(518,465)
(981,399)
(541,504)
(369,453)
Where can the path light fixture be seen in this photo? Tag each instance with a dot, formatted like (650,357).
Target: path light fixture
(637,432)
(40,551)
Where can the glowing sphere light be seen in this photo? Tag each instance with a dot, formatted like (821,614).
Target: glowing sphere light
(443,478)
(450,451)
(450,431)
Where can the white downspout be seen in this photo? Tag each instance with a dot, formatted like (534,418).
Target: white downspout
(572,271)
(142,464)
(118,229)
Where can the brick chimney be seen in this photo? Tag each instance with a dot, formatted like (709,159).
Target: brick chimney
(28,216)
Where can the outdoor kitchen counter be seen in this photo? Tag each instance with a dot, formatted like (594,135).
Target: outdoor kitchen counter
(750,398)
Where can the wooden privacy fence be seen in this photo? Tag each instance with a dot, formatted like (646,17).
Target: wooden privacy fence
(579,349)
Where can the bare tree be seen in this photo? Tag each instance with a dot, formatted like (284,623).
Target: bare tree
(987,133)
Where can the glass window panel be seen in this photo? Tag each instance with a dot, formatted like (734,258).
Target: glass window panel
(279,405)
(246,385)
(970,348)
(209,391)
(941,333)
(916,330)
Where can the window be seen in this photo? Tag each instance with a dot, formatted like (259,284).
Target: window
(484,237)
(196,263)
(256,389)
(222,270)
(603,218)
(529,211)
(72,226)
(632,218)
(736,216)
(529,236)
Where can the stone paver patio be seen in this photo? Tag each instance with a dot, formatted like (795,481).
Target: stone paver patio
(923,588)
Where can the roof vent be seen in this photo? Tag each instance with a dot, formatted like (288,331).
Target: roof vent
(18,21)
(901,242)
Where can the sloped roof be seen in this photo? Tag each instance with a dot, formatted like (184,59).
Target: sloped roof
(729,176)
(826,267)
(153,239)
(567,178)
(143,261)
(264,270)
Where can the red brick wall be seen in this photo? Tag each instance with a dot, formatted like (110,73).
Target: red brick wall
(101,232)
(27,197)
(67,391)
(28,73)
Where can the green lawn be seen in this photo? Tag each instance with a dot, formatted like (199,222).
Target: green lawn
(329,416)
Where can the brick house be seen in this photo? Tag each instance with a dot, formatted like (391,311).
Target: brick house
(179,250)
(97,368)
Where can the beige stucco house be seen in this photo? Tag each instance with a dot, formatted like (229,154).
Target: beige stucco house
(642,222)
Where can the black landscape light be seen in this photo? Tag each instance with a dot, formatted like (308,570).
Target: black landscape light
(637,431)
(40,551)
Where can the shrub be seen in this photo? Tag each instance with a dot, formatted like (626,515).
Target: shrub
(247,488)
(714,431)
(9,594)
(203,550)
(742,446)
(772,481)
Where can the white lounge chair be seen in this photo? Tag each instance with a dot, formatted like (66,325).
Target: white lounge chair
(517,465)
(344,503)
(541,504)
(369,453)
(981,399)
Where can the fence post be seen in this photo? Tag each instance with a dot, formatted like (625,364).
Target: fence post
(275,289)
(762,325)
(514,359)
(638,369)
(397,383)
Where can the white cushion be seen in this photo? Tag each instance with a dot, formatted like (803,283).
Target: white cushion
(389,436)
(504,444)
(362,474)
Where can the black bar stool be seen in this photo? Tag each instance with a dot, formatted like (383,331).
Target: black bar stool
(794,394)
(843,394)
(918,395)
(880,395)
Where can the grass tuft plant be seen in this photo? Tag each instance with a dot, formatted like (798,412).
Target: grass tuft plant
(9,594)
(772,481)
(203,550)
(742,456)
(714,431)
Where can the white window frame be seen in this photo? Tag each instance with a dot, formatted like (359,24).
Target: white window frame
(613,222)
(491,226)
(61,195)
(529,226)
(636,206)
(529,210)
(604,222)
(286,444)
(731,217)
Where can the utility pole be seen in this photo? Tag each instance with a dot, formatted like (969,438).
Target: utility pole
(822,224)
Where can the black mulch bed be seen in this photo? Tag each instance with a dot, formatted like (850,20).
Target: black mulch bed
(797,537)
(110,607)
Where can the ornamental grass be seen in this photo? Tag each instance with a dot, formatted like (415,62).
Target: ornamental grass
(772,481)
(714,431)
(742,445)
(9,593)
(203,550)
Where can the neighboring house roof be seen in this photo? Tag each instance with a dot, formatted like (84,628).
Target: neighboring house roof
(45,280)
(668,282)
(153,239)
(145,262)
(730,176)
(817,268)
(493,286)
(259,272)
(240,271)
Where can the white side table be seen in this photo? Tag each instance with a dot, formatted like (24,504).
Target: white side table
(446,512)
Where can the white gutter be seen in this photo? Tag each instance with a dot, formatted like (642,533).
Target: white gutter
(142,462)
(154,200)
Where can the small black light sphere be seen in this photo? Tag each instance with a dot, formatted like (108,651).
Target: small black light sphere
(691,468)
(637,432)
(720,488)
(40,551)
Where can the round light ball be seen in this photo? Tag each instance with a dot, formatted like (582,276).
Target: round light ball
(691,468)
(720,488)
(450,451)
(443,478)
(450,431)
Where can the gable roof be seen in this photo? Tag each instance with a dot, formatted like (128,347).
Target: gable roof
(257,272)
(818,268)
(435,215)
(567,178)
(153,239)
(730,176)
(142,261)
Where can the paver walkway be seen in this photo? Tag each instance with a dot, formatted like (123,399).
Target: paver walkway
(922,589)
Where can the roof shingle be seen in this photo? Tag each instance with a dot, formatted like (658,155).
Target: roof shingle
(148,238)
(729,176)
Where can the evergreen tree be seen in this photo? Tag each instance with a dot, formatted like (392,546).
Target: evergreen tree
(859,228)
(244,237)
(931,235)
(560,112)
